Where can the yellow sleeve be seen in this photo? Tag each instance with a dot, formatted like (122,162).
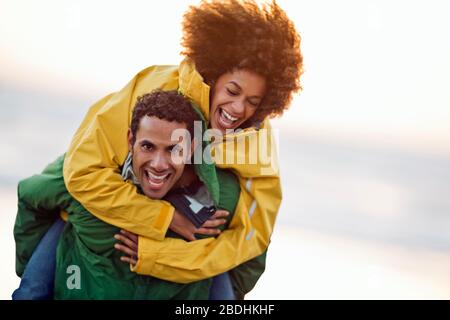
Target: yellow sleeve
(99,148)
(248,235)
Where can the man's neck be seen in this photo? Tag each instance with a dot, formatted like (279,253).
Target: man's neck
(187,178)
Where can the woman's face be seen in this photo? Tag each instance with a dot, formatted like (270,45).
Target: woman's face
(235,98)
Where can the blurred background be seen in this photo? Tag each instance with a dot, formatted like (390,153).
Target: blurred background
(364,149)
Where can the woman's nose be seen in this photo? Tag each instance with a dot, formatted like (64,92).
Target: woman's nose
(238,108)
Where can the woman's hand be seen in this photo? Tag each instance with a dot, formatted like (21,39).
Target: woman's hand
(216,220)
(182,226)
(129,242)
(129,246)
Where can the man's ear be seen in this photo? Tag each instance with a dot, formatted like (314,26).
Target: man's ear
(194,144)
(130,140)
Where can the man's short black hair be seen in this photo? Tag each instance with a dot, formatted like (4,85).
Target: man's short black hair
(165,105)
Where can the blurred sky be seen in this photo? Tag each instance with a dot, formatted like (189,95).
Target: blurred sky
(375,69)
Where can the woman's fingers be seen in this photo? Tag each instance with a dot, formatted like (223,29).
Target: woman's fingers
(208,231)
(215,220)
(220,214)
(129,246)
(129,260)
(129,235)
(125,250)
(126,241)
(213,223)
(188,235)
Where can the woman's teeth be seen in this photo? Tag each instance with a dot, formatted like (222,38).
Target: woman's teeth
(228,116)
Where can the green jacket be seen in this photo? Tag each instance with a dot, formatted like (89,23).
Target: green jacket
(88,244)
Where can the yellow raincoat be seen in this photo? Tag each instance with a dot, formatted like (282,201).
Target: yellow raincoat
(91,174)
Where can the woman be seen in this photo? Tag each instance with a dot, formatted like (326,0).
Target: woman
(243,63)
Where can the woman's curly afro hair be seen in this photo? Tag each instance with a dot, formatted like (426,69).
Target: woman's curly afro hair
(222,36)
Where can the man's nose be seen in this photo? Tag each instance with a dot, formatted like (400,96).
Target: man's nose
(160,162)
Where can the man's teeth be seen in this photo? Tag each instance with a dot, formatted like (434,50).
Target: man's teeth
(228,116)
(156,177)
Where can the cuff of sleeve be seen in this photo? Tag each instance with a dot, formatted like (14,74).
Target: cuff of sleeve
(162,222)
(148,251)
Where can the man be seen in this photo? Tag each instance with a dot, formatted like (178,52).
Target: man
(87,265)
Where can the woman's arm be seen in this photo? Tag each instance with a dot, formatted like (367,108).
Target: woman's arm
(247,237)
(99,148)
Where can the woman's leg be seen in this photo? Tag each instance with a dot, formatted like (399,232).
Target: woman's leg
(39,274)
(221,288)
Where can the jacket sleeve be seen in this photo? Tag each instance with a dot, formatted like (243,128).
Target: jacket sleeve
(99,148)
(40,200)
(245,276)
(247,237)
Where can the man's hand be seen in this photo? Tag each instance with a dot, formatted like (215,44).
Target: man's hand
(181,225)
(128,245)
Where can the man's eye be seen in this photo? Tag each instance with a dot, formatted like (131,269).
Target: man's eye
(147,146)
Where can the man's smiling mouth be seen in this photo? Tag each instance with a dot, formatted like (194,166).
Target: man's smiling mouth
(156,180)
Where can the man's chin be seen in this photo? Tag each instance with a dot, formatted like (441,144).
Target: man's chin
(155,194)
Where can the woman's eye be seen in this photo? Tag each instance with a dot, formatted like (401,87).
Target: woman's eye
(231,92)
(254,103)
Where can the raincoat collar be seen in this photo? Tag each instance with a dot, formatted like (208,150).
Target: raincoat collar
(192,86)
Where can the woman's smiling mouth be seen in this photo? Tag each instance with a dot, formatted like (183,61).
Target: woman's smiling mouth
(226,120)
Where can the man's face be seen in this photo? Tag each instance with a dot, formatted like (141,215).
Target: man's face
(153,164)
